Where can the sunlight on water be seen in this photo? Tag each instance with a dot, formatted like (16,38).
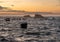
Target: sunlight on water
(38,29)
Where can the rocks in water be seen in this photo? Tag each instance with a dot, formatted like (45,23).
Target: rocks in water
(28,28)
(45,28)
(29,33)
(40,40)
(24,25)
(7,19)
(58,30)
(3,30)
(9,30)
(27,16)
(33,40)
(38,16)
(21,35)
(3,39)
(48,33)
(28,40)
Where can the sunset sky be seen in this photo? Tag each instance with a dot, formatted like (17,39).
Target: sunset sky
(32,5)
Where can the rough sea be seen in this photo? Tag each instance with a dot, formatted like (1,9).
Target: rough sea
(23,29)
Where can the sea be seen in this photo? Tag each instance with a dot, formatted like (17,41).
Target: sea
(29,29)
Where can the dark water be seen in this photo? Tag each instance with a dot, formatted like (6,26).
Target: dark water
(19,29)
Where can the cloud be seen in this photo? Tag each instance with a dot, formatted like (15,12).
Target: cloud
(5,8)
(1,1)
(1,8)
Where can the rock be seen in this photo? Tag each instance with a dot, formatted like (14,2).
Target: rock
(27,16)
(7,19)
(1,36)
(21,36)
(45,28)
(48,33)
(3,30)
(24,25)
(4,40)
(29,33)
(38,16)
(58,30)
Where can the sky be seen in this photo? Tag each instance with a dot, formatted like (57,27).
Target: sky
(32,5)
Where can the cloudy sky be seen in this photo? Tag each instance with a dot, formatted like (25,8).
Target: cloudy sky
(32,5)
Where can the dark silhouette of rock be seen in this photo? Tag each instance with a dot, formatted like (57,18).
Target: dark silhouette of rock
(21,36)
(4,40)
(2,37)
(33,40)
(3,30)
(58,30)
(46,28)
(27,16)
(48,33)
(28,40)
(24,25)
(9,30)
(38,16)
(7,19)
(29,33)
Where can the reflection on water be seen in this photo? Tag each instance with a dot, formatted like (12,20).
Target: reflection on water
(20,29)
